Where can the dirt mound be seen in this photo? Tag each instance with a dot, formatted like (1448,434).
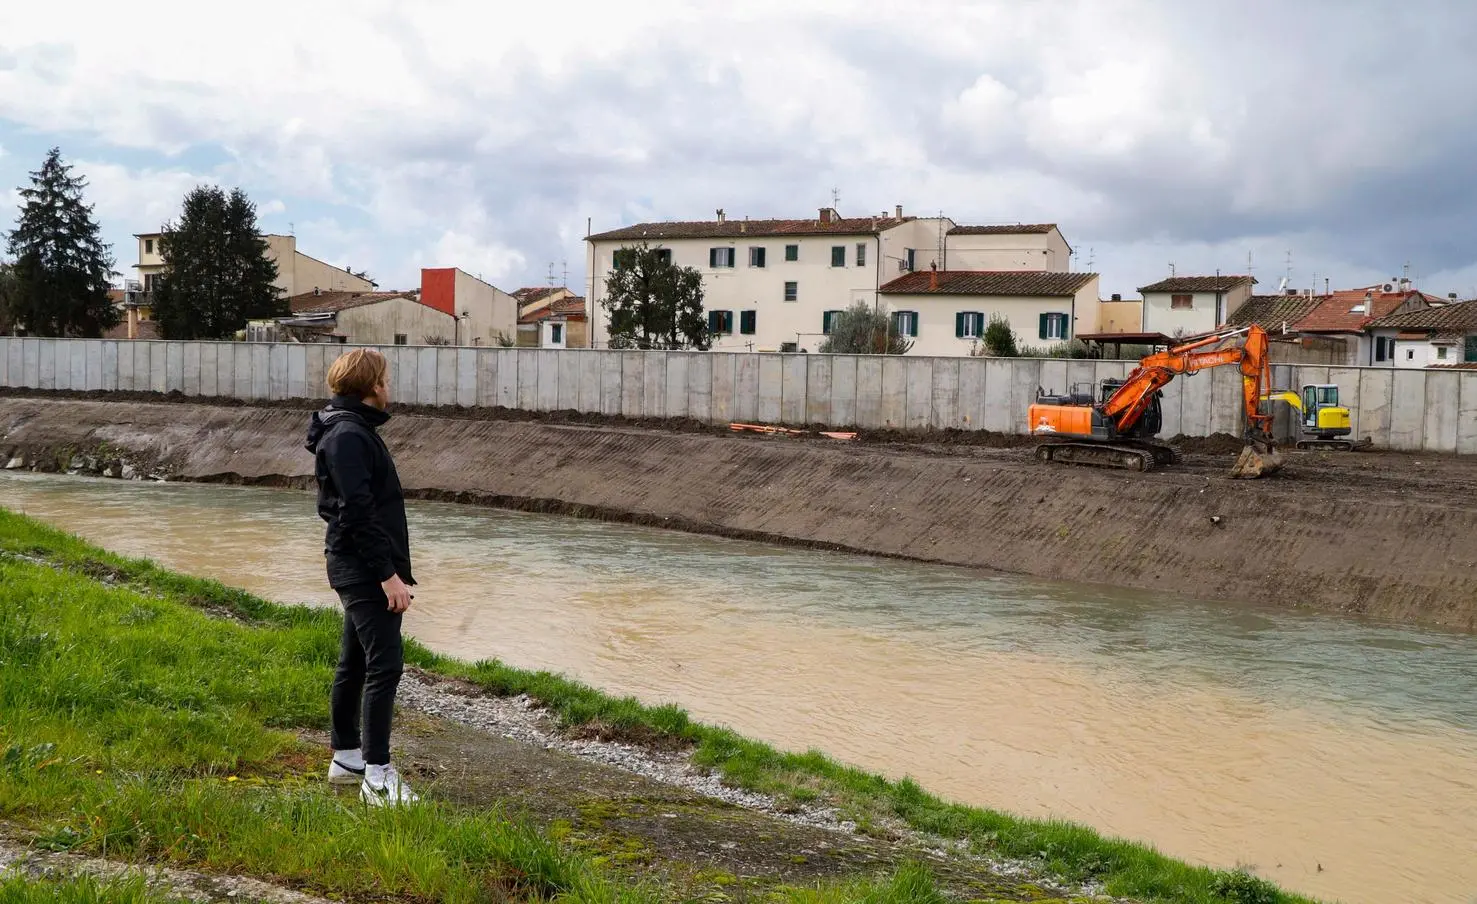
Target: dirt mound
(1215,444)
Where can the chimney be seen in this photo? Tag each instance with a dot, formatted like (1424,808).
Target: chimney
(744,226)
(933,276)
(899,211)
(1325,286)
(1291,292)
(720,215)
(1117,296)
(826,214)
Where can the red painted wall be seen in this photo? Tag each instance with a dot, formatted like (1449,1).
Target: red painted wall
(438,288)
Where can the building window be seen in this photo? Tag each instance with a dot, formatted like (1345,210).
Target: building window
(1181,302)
(792,252)
(720,323)
(1469,349)
(838,255)
(720,257)
(792,291)
(969,324)
(1384,348)
(748,322)
(1410,354)
(906,323)
(1053,326)
(149,282)
(1441,353)
(399,338)
(756,257)
(556,333)
(828,320)
(148,246)
(861,254)
(623,259)
(911,259)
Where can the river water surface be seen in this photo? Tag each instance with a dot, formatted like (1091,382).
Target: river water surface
(1336,757)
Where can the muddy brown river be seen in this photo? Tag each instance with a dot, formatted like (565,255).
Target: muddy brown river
(1336,757)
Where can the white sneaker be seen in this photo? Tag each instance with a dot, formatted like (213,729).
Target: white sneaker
(345,773)
(382,787)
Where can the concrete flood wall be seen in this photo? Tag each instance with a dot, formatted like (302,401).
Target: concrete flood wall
(1413,410)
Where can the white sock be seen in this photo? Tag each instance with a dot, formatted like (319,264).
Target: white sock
(352,759)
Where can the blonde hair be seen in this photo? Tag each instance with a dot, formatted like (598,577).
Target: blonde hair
(357,373)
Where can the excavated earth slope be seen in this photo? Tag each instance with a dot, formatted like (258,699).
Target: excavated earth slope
(1383,534)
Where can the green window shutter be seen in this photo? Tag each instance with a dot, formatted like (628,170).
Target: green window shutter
(761,257)
(712,258)
(826,321)
(792,252)
(959,325)
(1066,326)
(713,320)
(748,321)
(838,255)
(1044,325)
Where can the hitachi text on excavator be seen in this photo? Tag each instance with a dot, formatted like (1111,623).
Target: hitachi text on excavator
(1116,426)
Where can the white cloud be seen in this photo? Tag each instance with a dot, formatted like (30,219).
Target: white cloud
(493,130)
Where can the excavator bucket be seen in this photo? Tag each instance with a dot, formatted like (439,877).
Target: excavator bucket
(1256,461)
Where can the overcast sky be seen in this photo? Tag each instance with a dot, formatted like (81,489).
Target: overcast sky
(484,134)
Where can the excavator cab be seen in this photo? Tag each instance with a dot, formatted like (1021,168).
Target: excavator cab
(1322,422)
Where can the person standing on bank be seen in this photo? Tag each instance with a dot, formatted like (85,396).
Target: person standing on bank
(367,545)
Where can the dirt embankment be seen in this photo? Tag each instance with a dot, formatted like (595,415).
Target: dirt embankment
(1378,533)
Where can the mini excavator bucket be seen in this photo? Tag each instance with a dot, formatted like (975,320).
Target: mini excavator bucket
(1256,460)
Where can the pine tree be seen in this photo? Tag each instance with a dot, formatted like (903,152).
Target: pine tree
(217,274)
(653,303)
(62,269)
(8,288)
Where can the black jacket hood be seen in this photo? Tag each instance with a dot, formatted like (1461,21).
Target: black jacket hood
(342,407)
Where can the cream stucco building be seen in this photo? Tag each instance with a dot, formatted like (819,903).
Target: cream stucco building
(945,313)
(768,285)
(297,273)
(1189,305)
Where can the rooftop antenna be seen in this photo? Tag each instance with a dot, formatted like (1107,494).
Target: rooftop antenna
(1289,265)
(835,198)
(565,282)
(291,228)
(1249,269)
(1171,268)
(1091,258)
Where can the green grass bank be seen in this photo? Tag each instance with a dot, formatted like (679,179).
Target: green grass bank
(140,724)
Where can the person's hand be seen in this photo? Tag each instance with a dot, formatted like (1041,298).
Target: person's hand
(397,593)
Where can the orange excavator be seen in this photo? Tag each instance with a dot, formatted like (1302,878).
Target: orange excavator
(1117,427)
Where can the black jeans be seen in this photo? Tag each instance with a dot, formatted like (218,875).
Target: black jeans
(370,661)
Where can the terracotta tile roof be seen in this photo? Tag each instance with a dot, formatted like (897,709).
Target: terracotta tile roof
(1450,318)
(1271,311)
(530,294)
(1337,313)
(331,302)
(989,282)
(732,229)
(1198,283)
(1464,365)
(1018,229)
(572,308)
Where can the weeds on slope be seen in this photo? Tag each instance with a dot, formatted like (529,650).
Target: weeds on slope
(162,701)
(135,727)
(78,890)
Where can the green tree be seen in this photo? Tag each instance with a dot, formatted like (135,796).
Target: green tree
(62,269)
(217,274)
(863,330)
(8,288)
(653,303)
(999,339)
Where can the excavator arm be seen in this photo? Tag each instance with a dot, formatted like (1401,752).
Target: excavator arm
(1126,406)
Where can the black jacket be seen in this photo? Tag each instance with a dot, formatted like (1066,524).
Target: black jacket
(359,495)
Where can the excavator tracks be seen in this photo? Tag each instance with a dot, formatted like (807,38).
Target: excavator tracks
(1107,455)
